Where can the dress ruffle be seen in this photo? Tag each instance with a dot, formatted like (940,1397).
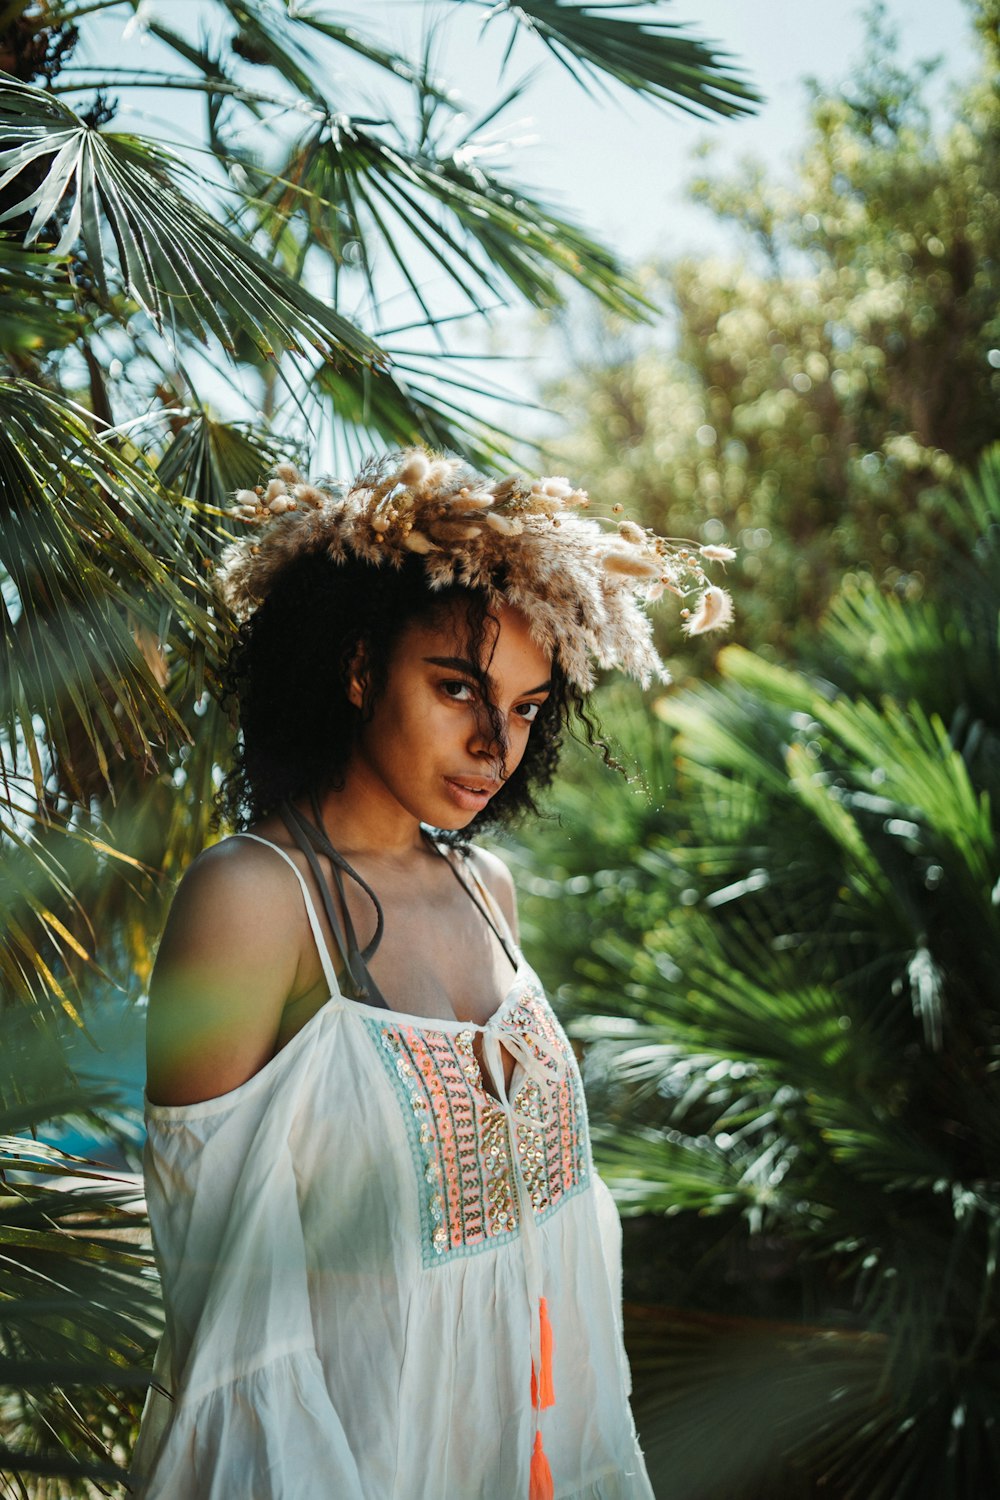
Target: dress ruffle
(268,1435)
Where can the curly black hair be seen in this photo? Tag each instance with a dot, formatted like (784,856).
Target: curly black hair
(286,673)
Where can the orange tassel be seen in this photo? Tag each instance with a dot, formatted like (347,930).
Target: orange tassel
(546,1391)
(542,1390)
(541,1487)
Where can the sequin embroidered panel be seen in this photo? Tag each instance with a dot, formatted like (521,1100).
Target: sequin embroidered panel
(459,1135)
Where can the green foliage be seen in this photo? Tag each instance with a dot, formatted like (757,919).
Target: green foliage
(792,1010)
(79,1314)
(806,397)
(171,254)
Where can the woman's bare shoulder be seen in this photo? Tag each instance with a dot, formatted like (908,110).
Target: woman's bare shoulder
(222,889)
(226,964)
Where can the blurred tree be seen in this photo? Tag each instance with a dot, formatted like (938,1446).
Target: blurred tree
(802,400)
(176,312)
(794,1019)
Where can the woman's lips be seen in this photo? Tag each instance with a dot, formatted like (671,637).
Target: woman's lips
(471,795)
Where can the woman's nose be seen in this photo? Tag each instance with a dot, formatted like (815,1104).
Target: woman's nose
(487,739)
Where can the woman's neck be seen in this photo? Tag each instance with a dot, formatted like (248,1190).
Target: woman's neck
(362,818)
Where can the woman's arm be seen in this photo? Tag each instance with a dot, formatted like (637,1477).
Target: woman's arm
(226,965)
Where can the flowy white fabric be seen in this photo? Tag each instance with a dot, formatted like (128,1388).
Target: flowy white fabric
(387,1277)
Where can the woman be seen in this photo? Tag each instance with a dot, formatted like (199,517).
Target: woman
(390,1271)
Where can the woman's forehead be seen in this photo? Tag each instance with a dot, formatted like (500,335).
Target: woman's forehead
(504,641)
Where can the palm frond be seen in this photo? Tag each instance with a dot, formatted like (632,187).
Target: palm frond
(79,1304)
(311,17)
(79,1314)
(919,768)
(653,1174)
(714,731)
(351,184)
(790,1003)
(266,37)
(828,806)
(645,55)
(207,460)
(976,513)
(33,312)
(887,646)
(177,262)
(49,946)
(92,556)
(402,406)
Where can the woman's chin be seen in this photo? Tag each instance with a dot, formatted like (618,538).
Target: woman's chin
(451,821)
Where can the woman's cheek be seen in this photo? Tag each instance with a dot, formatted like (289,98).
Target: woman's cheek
(518,742)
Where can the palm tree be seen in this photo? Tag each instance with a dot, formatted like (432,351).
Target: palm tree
(803,1097)
(175,315)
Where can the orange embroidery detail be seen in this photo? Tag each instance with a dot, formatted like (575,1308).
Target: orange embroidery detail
(459,1134)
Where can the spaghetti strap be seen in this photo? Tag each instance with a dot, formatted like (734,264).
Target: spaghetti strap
(488,905)
(357,981)
(493,904)
(329,973)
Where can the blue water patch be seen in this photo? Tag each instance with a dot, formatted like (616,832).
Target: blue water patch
(113,1052)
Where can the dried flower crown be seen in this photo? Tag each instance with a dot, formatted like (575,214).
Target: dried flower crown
(582,584)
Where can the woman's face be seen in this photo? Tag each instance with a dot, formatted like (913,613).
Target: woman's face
(427,745)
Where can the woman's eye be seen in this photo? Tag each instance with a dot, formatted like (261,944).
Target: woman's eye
(528,711)
(458,692)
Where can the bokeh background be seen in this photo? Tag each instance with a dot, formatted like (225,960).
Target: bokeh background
(734,268)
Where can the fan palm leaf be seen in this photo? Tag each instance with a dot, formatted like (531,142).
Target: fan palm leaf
(284,38)
(646,55)
(807,1090)
(92,560)
(406,406)
(78,1317)
(352,184)
(177,262)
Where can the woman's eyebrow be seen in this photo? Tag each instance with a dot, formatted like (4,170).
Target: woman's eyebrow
(459,664)
(456,664)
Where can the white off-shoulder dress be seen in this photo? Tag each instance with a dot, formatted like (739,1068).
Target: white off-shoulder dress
(369,1251)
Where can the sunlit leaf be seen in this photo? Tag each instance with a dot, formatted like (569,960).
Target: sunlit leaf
(179,263)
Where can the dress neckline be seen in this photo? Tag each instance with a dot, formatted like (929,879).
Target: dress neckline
(333,1003)
(434,1023)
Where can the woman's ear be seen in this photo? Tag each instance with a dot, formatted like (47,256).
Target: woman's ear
(356,676)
